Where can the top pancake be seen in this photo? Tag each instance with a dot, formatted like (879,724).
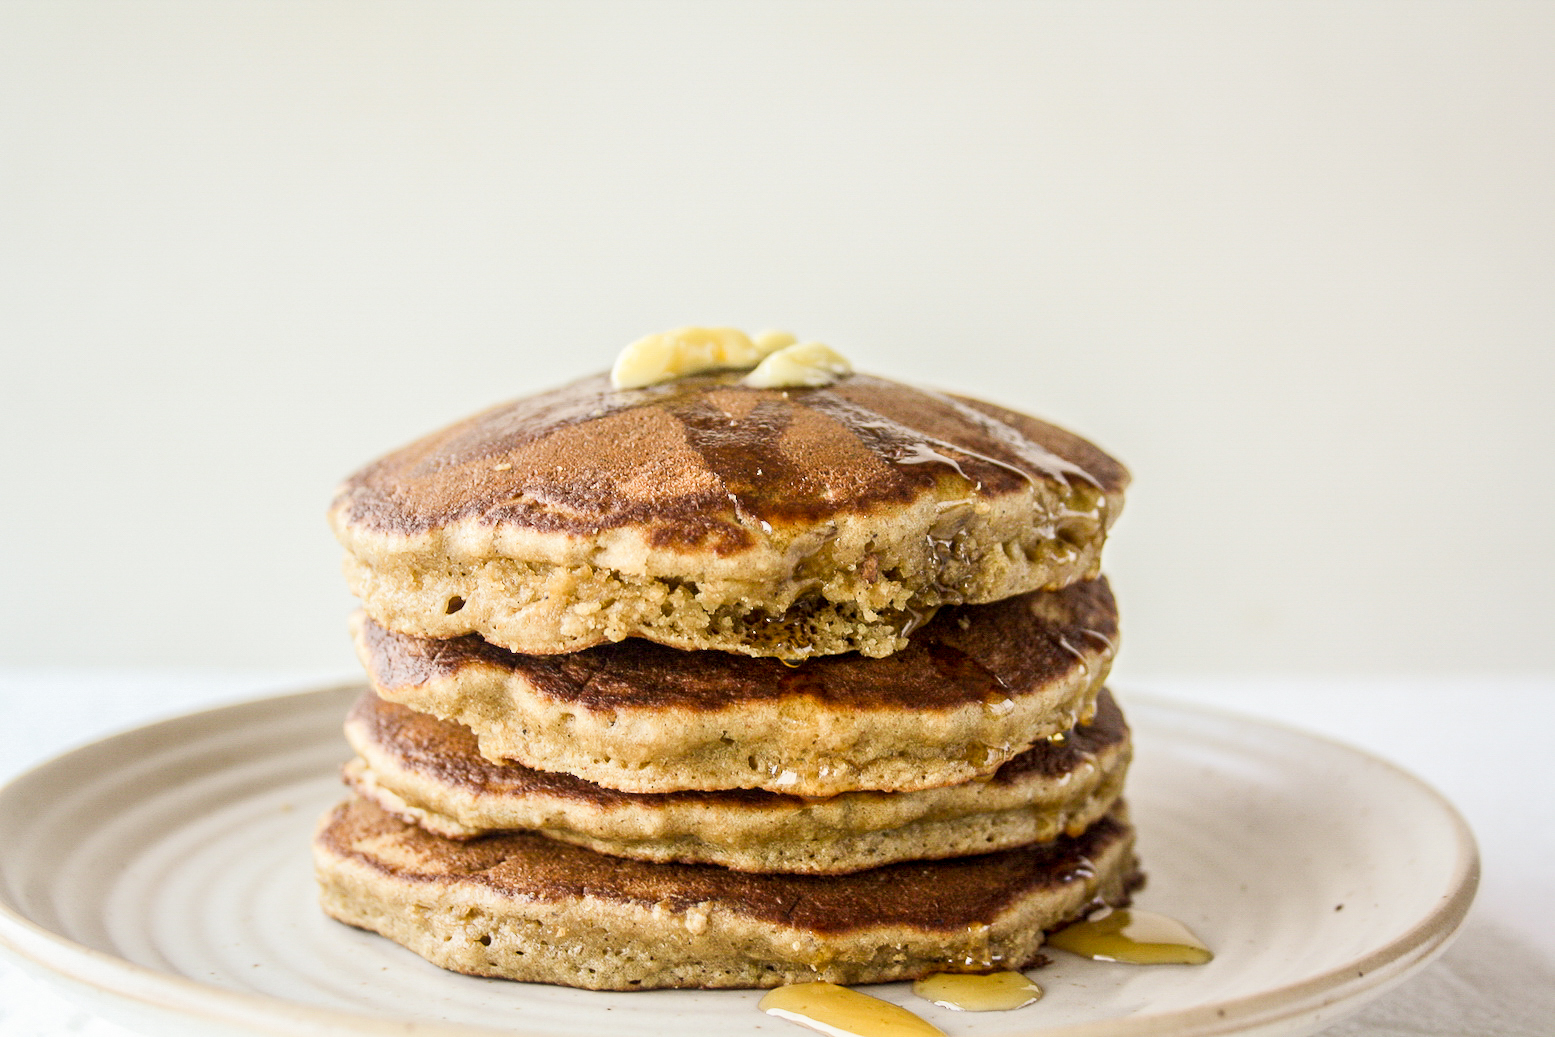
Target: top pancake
(702,513)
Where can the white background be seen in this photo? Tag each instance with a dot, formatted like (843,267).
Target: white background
(1291,262)
(1294,263)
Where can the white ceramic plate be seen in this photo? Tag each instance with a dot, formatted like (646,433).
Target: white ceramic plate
(162,876)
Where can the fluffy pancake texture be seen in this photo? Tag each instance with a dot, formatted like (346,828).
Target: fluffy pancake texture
(429,771)
(731,680)
(976,686)
(706,514)
(524,907)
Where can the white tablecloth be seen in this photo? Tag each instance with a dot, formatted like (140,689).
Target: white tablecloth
(1498,980)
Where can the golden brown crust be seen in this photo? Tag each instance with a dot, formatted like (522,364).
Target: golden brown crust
(446,754)
(707,515)
(700,460)
(524,907)
(977,687)
(430,772)
(962,656)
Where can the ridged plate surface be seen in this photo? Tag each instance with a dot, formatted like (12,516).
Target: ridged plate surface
(163,877)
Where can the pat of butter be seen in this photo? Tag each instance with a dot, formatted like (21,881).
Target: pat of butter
(687,351)
(805,365)
(768,342)
(779,360)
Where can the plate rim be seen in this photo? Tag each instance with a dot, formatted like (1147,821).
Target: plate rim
(52,956)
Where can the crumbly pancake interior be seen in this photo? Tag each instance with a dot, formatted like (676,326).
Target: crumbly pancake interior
(706,514)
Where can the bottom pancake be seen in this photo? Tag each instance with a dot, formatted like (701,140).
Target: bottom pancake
(520,906)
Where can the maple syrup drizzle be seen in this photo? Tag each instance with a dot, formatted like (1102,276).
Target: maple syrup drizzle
(974,992)
(841,1012)
(1135,937)
(1127,935)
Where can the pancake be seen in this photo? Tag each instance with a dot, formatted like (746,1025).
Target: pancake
(429,771)
(978,685)
(523,907)
(706,514)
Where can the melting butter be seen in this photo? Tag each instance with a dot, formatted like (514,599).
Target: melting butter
(687,351)
(974,992)
(767,342)
(805,365)
(1136,937)
(844,1013)
(775,359)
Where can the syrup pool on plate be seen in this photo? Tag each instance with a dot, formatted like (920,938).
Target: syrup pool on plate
(1122,935)
(978,992)
(841,1012)
(1135,937)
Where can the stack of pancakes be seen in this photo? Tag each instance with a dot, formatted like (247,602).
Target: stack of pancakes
(705,685)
